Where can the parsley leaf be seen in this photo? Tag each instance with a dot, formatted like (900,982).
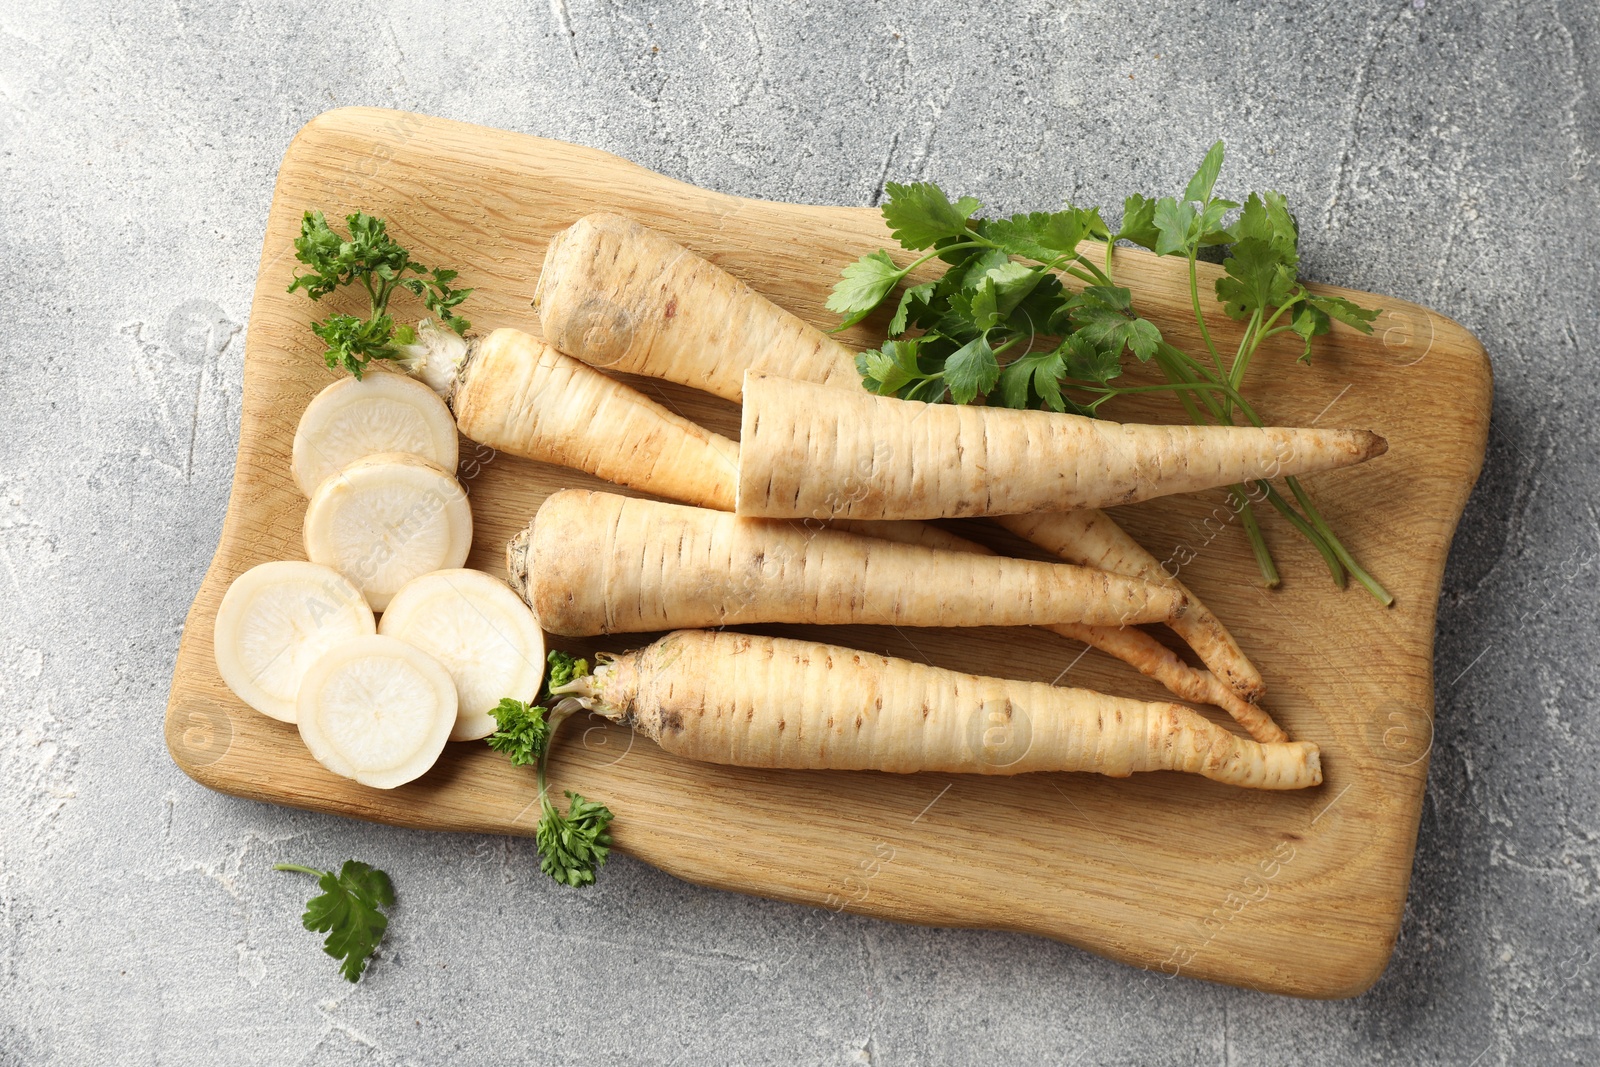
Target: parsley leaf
(971,370)
(1259,276)
(1175,224)
(378,263)
(522,732)
(1139,222)
(1035,376)
(348,911)
(574,845)
(1337,307)
(1205,179)
(918,296)
(919,215)
(1040,236)
(889,369)
(862,286)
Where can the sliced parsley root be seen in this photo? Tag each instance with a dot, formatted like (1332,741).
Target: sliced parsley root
(349,911)
(733,698)
(574,845)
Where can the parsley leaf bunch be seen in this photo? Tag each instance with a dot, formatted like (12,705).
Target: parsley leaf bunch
(1022,318)
(349,911)
(380,265)
(572,846)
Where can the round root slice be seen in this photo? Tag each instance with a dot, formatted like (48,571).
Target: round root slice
(274,621)
(388,519)
(382,412)
(481,632)
(376,710)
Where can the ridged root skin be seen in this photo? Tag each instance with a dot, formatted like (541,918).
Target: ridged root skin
(777,703)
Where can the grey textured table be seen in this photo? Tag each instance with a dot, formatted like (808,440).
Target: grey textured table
(1439,153)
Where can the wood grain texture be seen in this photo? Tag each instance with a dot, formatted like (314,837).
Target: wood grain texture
(1294,893)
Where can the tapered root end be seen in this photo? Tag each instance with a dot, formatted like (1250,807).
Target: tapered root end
(1372,446)
(518,560)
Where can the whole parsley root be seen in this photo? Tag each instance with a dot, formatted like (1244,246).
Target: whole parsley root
(565,416)
(574,845)
(621,296)
(801,445)
(598,563)
(749,701)
(1130,644)
(349,911)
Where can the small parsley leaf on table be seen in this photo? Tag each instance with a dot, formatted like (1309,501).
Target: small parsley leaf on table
(349,911)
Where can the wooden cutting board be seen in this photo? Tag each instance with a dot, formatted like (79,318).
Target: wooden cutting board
(1296,893)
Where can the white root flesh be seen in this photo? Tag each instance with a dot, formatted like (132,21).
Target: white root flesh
(480,631)
(274,621)
(381,412)
(377,710)
(388,519)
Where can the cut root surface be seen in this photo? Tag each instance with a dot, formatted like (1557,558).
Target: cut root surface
(382,412)
(275,620)
(388,519)
(377,710)
(480,631)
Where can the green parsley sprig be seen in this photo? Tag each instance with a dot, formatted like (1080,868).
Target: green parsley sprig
(348,911)
(999,324)
(572,846)
(373,259)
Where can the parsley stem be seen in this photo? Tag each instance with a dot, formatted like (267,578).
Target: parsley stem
(1100,277)
(1258,543)
(1199,315)
(298,868)
(1371,584)
(1324,549)
(937,252)
(1175,374)
(558,715)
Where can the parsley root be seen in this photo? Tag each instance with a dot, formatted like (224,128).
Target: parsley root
(594,563)
(1128,643)
(479,631)
(771,702)
(275,620)
(815,452)
(518,394)
(1089,537)
(680,460)
(388,519)
(618,295)
(377,710)
(358,417)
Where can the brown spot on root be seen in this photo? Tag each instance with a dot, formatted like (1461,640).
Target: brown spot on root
(925,709)
(781,725)
(671,309)
(859,721)
(673,721)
